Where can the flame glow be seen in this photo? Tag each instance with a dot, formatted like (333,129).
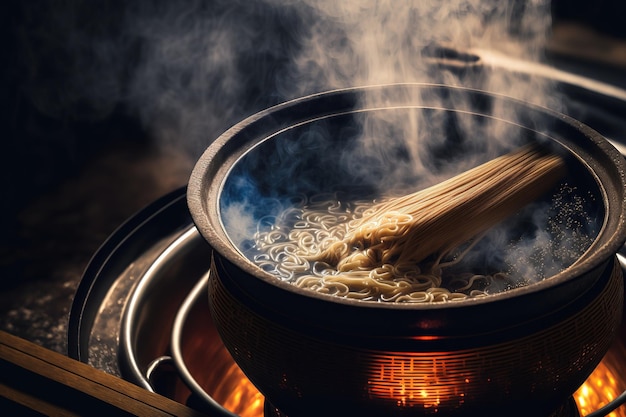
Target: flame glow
(421,380)
(238,395)
(602,386)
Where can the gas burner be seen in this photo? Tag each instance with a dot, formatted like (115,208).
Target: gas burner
(141,313)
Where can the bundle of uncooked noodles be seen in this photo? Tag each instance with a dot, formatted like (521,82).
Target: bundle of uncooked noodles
(431,222)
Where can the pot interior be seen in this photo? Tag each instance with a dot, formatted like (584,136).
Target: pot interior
(365,154)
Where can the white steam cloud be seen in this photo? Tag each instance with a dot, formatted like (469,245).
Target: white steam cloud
(189,69)
(374,42)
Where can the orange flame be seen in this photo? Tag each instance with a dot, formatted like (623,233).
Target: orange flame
(237,394)
(606,382)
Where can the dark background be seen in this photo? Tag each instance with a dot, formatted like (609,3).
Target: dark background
(604,16)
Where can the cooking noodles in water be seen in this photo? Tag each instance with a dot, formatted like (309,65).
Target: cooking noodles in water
(429,246)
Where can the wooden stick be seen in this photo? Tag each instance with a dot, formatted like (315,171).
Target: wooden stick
(37,381)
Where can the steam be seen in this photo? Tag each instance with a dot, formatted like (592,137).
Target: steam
(359,43)
(203,66)
(376,42)
(188,70)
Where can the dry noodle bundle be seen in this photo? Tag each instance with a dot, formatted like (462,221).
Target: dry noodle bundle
(431,222)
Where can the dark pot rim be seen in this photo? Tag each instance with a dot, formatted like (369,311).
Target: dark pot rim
(212,168)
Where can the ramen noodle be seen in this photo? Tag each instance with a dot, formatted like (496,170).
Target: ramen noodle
(283,247)
(375,252)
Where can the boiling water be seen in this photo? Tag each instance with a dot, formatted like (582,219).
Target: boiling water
(539,241)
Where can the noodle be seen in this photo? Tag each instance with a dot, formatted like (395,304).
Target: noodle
(397,250)
(283,249)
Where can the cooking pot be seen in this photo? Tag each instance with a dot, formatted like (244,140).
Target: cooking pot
(521,351)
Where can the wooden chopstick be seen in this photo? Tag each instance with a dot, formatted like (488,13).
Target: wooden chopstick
(38,381)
